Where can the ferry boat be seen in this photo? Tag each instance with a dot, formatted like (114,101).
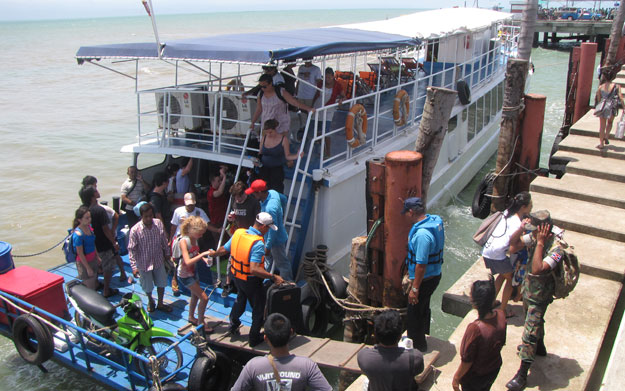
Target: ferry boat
(209,121)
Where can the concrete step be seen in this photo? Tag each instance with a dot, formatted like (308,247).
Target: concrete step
(598,257)
(598,220)
(582,188)
(588,145)
(613,378)
(588,125)
(593,166)
(573,340)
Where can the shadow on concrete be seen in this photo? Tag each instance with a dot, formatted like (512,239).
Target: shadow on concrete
(553,372)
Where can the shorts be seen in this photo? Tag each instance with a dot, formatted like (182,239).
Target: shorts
(188,281)
(497,266)
(92,260)
(108,260)
(150,278)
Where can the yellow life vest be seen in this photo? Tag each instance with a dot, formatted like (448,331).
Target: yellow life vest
(240,251)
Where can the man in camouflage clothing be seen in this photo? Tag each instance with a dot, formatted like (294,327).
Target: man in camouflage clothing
(538,290)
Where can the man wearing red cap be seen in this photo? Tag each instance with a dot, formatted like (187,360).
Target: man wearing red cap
(273,203)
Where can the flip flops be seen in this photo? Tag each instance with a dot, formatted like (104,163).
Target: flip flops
(151,306)
(164,308)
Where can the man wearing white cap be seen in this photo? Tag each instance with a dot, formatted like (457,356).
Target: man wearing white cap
(247,253)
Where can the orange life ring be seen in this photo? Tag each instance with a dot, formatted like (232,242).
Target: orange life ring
(234,85)
(356,126)
(402,101)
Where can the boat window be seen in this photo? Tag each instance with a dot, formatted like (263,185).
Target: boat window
(453,123)
(432,51)
(488,107)
(471,130)
(479,115)
(500,96)
(464,115)
(146,160)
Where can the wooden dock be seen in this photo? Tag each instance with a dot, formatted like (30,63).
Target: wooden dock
(589,203)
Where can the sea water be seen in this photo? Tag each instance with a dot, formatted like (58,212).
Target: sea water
(61,121)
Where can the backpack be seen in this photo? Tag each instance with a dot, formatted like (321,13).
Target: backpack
(176,252)
(485,231)
(566,274)
(68,247)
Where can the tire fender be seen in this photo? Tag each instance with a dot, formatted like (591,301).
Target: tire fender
(208,374)
(319,323)
(27,327)
(480,207)
(337,284)
(464,92)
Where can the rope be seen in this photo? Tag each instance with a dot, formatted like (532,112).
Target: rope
(156,380)
(44,251)
(41,319)
(343,303)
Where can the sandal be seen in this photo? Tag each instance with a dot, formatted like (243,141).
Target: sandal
(606,141)
(151,306)
(164,308)
(112,292)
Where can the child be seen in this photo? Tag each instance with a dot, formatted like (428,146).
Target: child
(191,230)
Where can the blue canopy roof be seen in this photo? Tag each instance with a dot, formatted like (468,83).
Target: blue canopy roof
(256,47)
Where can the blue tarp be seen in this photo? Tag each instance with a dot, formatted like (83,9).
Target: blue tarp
(256,47)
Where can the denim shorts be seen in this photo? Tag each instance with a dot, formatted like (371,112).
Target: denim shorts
(188,281)
(499,266)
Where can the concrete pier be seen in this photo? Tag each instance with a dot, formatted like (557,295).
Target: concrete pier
(589,203)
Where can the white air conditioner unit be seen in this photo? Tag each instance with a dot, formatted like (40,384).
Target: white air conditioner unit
(230,109)
(184,106)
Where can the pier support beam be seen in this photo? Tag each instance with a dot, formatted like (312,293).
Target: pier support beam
(531,136)
(516,74)
(585,76)
(403,180)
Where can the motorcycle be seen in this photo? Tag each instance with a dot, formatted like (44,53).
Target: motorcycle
(135,330)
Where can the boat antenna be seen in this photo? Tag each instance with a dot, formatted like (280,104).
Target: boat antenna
(147,4)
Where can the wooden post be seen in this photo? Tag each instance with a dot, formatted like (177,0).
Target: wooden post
(528,26)
(432,130)
(615,36)
(531,136)
(516,73)
(585,75)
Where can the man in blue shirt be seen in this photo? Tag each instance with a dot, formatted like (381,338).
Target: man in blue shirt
(247,250)
(275,241)
(424,259)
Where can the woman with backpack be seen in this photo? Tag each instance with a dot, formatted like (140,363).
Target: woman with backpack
(272,103)
(187,250)
(505,241)
(83,242)
(607,101)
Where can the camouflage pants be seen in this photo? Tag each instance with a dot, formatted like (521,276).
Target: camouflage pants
(533,330)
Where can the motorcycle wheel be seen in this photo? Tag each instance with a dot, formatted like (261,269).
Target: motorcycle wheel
(87,325)
(166,364)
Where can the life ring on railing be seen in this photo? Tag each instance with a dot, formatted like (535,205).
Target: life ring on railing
(234,85)
(482,198)
(27,327)
(464,92)
(356,126)
(401,108)
(208,374)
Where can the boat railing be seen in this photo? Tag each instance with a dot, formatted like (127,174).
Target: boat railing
(218,131)
(75,338)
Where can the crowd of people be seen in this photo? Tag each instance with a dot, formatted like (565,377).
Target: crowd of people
(173,237)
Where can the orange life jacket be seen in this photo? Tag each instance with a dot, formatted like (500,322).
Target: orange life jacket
(240,251)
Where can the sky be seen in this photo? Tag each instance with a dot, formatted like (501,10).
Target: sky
(72,9)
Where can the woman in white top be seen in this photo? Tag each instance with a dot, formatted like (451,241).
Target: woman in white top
(506,240)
